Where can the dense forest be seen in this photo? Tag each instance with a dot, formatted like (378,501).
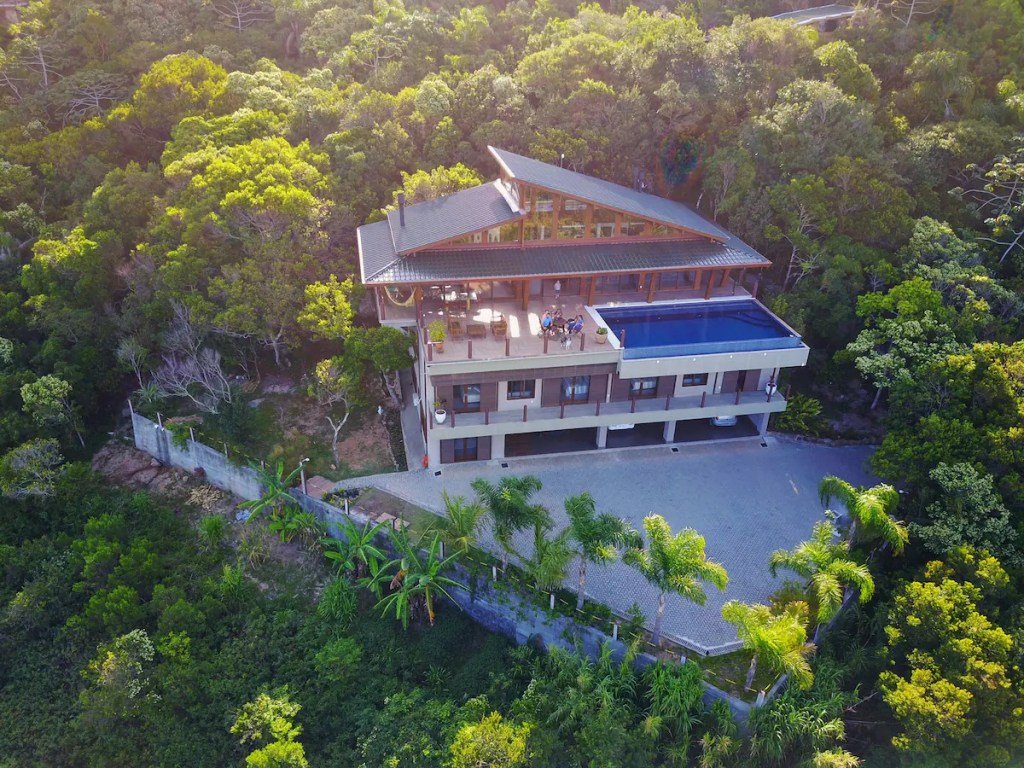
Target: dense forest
(180,181)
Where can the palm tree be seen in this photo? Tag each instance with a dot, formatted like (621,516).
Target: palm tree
(829,570)
(551,557)
(779,640)
(871,510)
(509,505)
(355,551)
(596,538)
(460,525)
(674,564)
(275,485)
(417,581)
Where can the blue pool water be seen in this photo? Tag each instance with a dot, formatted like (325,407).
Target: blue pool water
(696,328)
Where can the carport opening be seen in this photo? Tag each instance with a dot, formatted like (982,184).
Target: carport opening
(555,441)
(639,434)
(702,429)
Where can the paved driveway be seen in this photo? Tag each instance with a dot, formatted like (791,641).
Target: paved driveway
(745,499)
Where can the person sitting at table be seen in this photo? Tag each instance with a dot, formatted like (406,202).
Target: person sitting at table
(576,326)
(545,322)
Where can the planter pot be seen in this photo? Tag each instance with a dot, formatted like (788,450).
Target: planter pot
(439,346)
(440,414)
(602,338)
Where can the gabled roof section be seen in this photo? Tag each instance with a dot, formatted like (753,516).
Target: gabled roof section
(605,193)
(460,265)
(460,213)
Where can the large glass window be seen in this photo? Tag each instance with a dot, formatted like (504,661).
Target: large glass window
(575,389)
(571,219)
(467,397)
(643,388)
(633,227)
(617,283)
(539,222)
(465,449)
(668,281)
(694,380)
(521,390)
(603,223)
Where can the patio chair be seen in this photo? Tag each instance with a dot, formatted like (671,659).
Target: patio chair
(477,331)
(499,327)
(455,329)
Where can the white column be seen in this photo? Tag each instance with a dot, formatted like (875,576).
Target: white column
(669,435)
(497,446)
(602,437)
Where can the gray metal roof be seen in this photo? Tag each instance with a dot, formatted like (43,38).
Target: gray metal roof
(816,14)
(606,193)
(451,216)
(461,264)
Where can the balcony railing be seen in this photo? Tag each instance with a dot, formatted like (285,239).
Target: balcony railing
(710,402)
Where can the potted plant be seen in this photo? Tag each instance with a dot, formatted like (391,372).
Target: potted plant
(440,414)
(602,335)
(437,334)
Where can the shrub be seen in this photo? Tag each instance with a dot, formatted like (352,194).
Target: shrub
(802,416)
(212,531)
(337,660)
(337,606)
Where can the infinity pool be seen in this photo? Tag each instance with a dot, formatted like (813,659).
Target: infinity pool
(697,328)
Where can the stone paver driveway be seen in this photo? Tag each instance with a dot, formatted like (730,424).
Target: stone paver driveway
(745,499)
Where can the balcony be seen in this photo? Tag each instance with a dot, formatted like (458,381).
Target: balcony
(530,418)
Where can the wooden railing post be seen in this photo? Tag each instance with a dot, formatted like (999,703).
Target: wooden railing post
(668,402)
(632,405)
(453,418)
(597,410)
(739,391)
(470,344)
(507,345)
(545,343)
(703,398)
(561,411)
(430,353)
(583,341)
(524,413)
(487,417)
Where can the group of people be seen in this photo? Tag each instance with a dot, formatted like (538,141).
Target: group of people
(555,325)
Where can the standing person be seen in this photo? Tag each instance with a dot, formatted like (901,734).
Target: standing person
(558,289)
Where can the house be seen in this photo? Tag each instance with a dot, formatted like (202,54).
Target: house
(673,335)
(10,11)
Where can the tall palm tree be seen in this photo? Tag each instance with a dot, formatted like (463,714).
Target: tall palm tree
(275,485)
(509,504)
(674,563)
(417,581)
(460,525)
(595,538)
(778,640)
(356,550)
(871,510)
(551,558)
(829,570)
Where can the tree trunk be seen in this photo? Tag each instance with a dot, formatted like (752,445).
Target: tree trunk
(878,396)
(582,584)
(751,672)
(659,617)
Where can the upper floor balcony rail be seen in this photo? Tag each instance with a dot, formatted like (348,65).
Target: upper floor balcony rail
(711,402)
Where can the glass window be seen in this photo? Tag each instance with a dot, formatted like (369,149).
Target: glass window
(675,280)
(633,227)
(603,223)
(658,230)
(694,380)
(465,449)
(539,222)
(575,389)
(521,390)
(467,397)
(643,387)
(572,220)
(616,283)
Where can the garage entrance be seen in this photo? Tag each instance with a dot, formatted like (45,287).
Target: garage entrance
(555,441)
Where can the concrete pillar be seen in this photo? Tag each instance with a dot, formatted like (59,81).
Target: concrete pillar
(669,435)
(602,437)
(434,449)
(761,422)
(497,446)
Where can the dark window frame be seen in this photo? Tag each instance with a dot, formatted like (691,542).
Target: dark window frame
(459,402)
(520,395)
(461,449)
(574,397)
(642,389)
(693,380)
